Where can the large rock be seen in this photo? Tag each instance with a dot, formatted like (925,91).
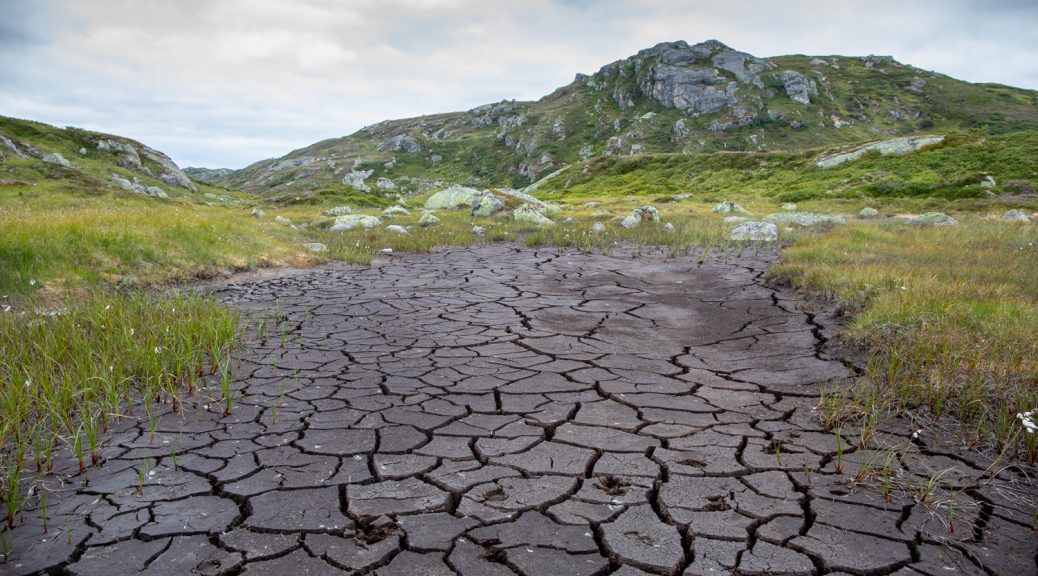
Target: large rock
(356,179)
(351,221)
(56,158)
(803,218)
(895,146)
(640,216)
(385,184)
(487,205)
(525,197)
(400,142)
(12,148)
(798,88)
(755,231)
(452,197)
(933,219)
(529,214)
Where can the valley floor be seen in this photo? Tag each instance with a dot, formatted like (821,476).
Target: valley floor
(501,410)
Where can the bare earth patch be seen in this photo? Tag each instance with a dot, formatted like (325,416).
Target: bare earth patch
(497,410)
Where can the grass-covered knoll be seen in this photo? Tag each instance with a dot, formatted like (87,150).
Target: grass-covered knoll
(948,313)
(953,169)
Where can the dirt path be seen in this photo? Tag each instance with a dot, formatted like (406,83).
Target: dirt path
(507,411)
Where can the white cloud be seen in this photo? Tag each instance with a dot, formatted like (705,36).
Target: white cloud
(230,82)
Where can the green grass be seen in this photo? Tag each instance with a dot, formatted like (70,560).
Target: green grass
(948,314)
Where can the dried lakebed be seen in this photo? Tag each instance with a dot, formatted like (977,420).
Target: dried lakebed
(497,410)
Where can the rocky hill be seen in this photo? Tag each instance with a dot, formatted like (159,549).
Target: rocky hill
(33,151)
(673,97)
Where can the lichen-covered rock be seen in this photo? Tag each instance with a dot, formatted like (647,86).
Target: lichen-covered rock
(529,214)
(56,158)
(397,229)
(933,219)
(486,204)
(868,212)
(339,211)
(987,182)
(385,184)
(351,221)
(400,142)
(804,218)
(598,228)
(727,207)
(1015,216)
(356,179)
(452,197)
(394,211)
(428,219)
(755,231)
(640,216)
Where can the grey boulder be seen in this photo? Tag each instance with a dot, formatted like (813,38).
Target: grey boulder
(755,231)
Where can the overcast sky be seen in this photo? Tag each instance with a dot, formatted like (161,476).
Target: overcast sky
(223,83)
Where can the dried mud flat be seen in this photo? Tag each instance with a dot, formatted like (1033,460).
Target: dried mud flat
(497,410)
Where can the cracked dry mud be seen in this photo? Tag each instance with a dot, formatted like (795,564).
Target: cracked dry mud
(496,410)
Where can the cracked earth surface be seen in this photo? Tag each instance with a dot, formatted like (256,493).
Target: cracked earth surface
(497,410)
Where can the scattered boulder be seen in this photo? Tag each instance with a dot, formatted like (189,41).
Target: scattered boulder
(933,219)
(282,220)
(804,218)
(356,179)
(1015,216)
(452,197)
(527,213)
(428,219)
(315,247)
(351,221)
(727,207)
(338,211)
(156,192)
(10,146)
(987,182)
(138,187)
(789,207)
(394,211)
(257,213)
(755,231)
(400,142)
(477,230)
(525,197)
(598,228)
(397,228)
(56,158)
(868,212)
(798,88)
(640,216)
(486,204)
(385,184)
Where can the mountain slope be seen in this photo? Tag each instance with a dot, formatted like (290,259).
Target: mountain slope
(670,98)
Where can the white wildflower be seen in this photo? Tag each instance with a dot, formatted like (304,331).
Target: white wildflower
(157,349)
(1027,420)
(27,383)
(32,282)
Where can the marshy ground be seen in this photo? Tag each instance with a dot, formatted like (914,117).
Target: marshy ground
(500,409)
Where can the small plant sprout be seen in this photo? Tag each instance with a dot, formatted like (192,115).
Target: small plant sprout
(839,452)
(43,509)
(807,473)
(226,390)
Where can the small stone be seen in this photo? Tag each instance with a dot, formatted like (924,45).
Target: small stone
(755,231)
(789,207)
(338,211)
(868,212)
(987,182)
(640,216)
(668,227)
(282,220)
(598,228)
(477,230)
(397,228)
(351,221)
(394,211)
(933,219)
(1015,216)
(428,219)
(315,247)
(727,207)
(257,213)
(56,158)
